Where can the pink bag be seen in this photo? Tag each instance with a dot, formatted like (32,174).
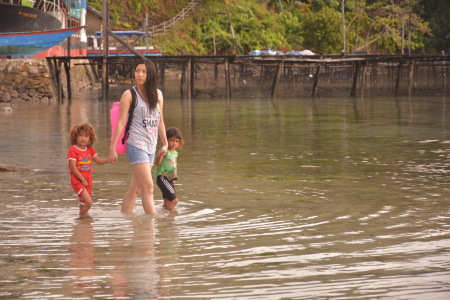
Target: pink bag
(114,113)
(121,145)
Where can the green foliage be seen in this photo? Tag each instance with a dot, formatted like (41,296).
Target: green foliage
(375,25)
(322,31)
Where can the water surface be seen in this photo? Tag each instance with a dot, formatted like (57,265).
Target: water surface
(326,198)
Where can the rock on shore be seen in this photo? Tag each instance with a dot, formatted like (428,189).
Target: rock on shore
(11,168)
(29,80)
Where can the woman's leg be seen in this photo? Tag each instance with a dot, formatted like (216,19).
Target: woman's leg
(141,181)
(129,199)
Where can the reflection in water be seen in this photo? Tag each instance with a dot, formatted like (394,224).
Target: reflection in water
(317,198)
(135,273)
(81,249)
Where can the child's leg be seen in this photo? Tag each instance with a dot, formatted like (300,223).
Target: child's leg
(87,200)
(169,205)
(167,188)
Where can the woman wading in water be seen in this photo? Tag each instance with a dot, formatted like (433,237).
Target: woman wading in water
(147,124)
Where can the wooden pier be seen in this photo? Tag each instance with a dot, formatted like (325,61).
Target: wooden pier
(353,75)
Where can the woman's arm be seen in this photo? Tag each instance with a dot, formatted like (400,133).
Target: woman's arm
(125,103)
(76,172)
(161,125)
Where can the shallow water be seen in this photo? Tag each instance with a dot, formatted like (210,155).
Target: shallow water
(332,198)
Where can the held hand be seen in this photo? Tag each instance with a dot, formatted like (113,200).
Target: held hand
(112,156)
(85,183)
(163,151)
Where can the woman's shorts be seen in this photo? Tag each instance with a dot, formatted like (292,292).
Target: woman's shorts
(138,156)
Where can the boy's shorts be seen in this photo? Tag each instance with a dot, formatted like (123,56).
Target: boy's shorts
(138,156)
(78,187)
(167,187)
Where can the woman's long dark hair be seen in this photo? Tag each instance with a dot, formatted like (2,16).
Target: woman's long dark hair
(150,84)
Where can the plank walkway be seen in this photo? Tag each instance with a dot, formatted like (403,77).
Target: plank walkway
(398,70)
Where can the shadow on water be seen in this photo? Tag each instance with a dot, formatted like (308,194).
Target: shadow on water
(292,198)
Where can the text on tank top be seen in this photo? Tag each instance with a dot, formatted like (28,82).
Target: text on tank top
(144,126)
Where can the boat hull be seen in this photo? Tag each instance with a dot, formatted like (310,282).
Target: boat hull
(27,43)
(17,18)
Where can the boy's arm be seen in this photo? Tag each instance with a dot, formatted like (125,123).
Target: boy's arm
(76,172)
(99,160)
(159,158)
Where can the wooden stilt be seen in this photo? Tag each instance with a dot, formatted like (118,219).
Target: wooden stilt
(69,86)
(316,80)
(183,79)
(363,80)
(227,79)
(410,76)
(51,65)
(188,78)
(355,81)
(192,75)
(105,39)
(216,72)
(276,79)
(58,81)
(397,83)
(162,78)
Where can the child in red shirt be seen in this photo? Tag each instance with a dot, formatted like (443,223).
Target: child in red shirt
(81,154)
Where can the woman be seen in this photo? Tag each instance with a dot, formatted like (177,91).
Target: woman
(147,123)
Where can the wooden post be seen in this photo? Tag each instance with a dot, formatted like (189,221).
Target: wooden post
(316,80)
(411,76)
(105,37)
(397,84)
(58,81)
(188,78)
(227,79)
(51,64)
(363,80)
(162,79)
(69,86)
(192,75)
(355,81)
(277,77)
(183,79)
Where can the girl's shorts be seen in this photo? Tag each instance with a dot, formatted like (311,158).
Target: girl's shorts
(78,187)
(138,156)
(167,187)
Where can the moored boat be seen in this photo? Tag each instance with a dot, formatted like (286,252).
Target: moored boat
(27,43)
(38,24)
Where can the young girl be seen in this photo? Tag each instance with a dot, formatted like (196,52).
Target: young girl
(81,155)
(166,172)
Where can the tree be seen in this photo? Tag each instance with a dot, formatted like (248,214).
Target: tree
(322,31)
(385,26)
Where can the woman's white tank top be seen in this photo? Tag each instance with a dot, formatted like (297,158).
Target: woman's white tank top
(144,126)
